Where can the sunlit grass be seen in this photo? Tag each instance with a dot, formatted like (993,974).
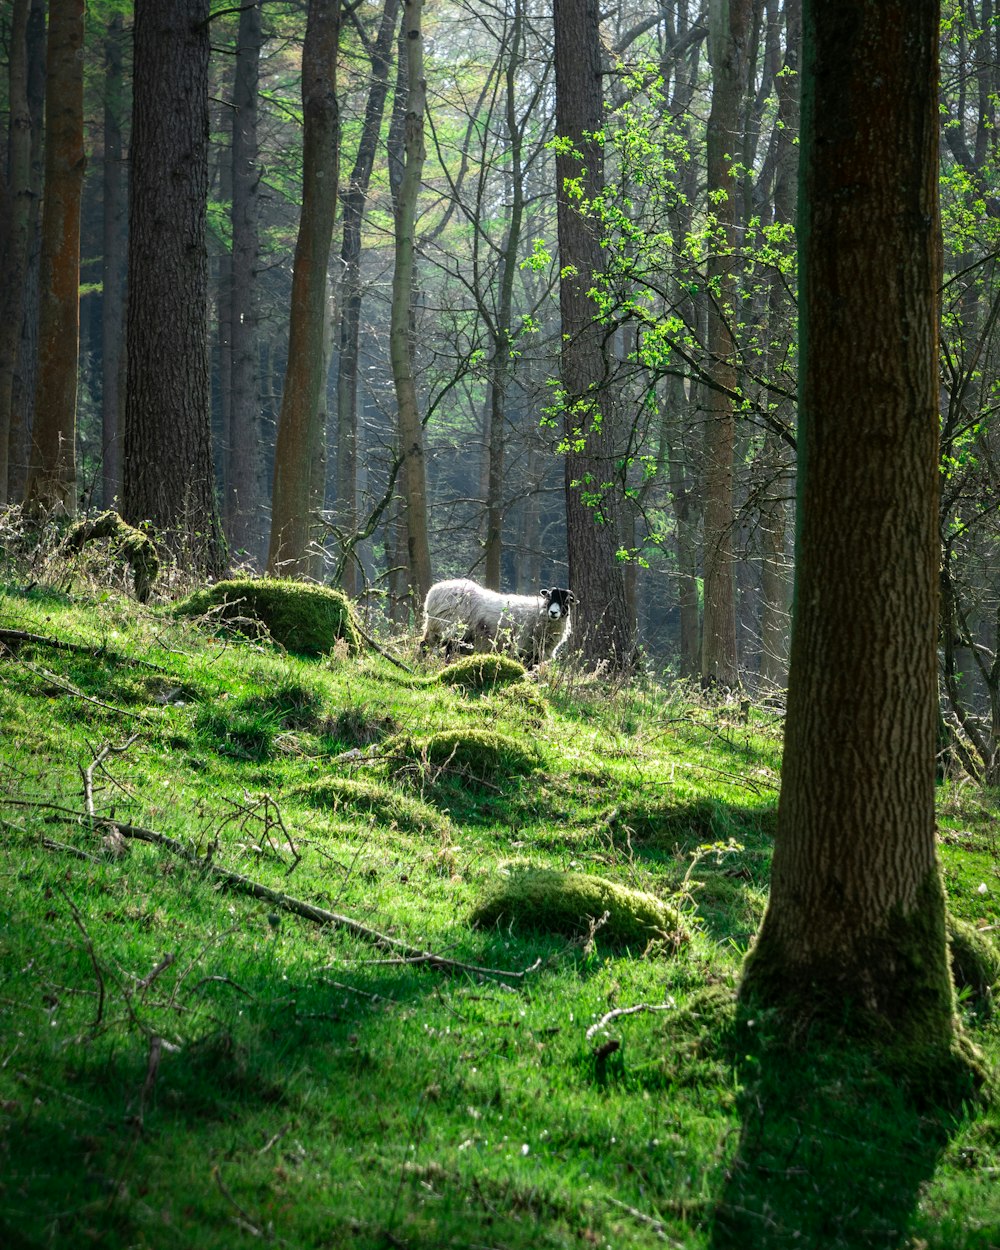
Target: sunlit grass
(182,1064)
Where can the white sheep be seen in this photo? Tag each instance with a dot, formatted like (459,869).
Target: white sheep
(460,613)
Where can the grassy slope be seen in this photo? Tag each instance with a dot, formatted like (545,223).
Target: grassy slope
(282,1080)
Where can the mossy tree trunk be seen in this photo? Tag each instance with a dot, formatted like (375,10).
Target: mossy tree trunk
(855,926)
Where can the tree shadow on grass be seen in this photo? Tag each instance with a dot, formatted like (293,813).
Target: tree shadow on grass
(833,1152)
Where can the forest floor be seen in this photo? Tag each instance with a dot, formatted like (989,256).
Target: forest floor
(194,1054)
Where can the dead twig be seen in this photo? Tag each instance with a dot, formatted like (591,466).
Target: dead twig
(11,639)
(99,758)
(605,1020)
(244,1222)
(658,1227)
(78,921)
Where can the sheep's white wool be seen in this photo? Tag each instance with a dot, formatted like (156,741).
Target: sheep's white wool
(460,611)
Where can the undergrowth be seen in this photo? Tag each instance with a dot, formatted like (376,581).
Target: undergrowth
(242,997)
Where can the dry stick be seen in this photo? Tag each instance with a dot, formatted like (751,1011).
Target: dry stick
(99,758)
(78,919)
(308,911)
(628,1011)
(12,638)
(658,1227)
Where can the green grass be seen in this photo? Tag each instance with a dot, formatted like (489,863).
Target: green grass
(278,1080)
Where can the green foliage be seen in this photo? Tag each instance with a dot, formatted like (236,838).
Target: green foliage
(305,619)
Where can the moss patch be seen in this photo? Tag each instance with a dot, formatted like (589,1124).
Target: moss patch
(548,901)
(975,962)
(387,806)
(129,544)
(479,754)
(482,672)
(305,619)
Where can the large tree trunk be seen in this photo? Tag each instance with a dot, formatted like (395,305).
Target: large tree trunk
(728,38)
(604,629)
(855,927)
(113,265)
(243,480)
(401,345)
(300,435)
(167,467)
(51,485)
(355,199)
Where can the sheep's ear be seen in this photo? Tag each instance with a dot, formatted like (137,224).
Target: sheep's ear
(546,594)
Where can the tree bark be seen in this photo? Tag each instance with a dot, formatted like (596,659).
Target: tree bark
(168,477)
(729,23)
(855,927)
(26,364)
(602,625)
(113,265)
(51,485)
(15,222)
(775,574)
(411,434)
(300,435)
(355,199)
(243,484)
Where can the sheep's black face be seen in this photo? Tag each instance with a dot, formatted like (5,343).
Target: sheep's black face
(558,602)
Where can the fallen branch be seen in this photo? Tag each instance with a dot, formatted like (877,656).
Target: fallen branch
(307,911)
(99,758)
(628,1011)
(14,638)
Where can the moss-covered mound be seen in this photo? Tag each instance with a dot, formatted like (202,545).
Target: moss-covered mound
(975,961)
(304,619)
(382,803)
(482,672)
(547,901)
(129,544)
(479,754)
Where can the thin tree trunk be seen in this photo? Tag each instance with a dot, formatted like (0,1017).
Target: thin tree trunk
(355,199)
(51,485)
(605,631)
(775,575)
(501,374)
(16,214)
(728,34)
(113,264)
(401,345)
(299,432)
(244,434)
